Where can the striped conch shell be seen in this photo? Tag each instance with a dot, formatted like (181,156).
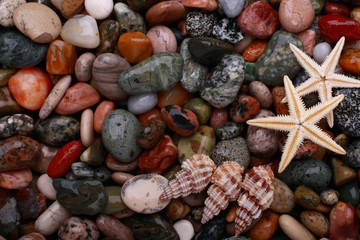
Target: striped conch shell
(225,188)
(194,176)
(256,195)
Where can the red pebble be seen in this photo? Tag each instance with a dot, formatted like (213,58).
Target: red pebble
(333,27)
(30,203)
(259,19)
(243,108)
(343,222)
(30,87)
(104,108)
(218,117)
(182,121)
(67,155)
(278,94)
(159,158)
(254,50)
(16,179)
(306,149)
(149,116)
(337,8)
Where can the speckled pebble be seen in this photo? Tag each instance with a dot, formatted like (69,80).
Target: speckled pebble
(7,9)
(284,200)
(329,196)
(227,30)
(353,154)
(200,23)
(75,228)
(229,130)
(316,222)
(17,124)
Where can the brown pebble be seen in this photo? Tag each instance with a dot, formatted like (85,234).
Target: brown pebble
(164,13)
(175,209)
(83,66)
(262,93)
(315,222)
(265,228)
(278,94)
(127,212)
(112,227)
(118,166)
(121,177)
(32,236)
(195,199)
(231,215)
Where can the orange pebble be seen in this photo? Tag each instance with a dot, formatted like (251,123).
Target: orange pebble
(350,61)
(134,46)
(231,215)
(101,112)
(265,228)
(151,115)
(207,5)
(61,58)
(177,95)
(278,94)
(254,50)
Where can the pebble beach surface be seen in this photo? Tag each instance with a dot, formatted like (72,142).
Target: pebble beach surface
(109,107)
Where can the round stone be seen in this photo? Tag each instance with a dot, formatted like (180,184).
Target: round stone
(321,51)
(232,8)
(162,39)
(141,193)
(99,9)
(138,104)
(296,15)
(284,200)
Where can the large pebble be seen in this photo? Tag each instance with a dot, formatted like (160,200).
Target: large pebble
(130,21)
(162,39)
(119,132)
(296,15)
(138,104)
(83,66)
(293,229)
(113,228)
(164,13)
(7,9)
(343,222)
(265,227)
(284,200)
(37,21)
(75,228)
(352,155)
(99,9)
(109,35)
(200,23)
(315,222)
(227,30)
(17,124)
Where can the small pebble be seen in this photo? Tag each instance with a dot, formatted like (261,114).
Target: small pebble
(86,127)
(141,103)
(75,228)
(99,9)
(329,197)
(44,185)
(262,93)
(315,222)
(293,229)
(113,228)
(185,229)
(321,51)
(83,66)
(162,39)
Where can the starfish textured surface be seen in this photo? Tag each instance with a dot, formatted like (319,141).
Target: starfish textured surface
(322,78)
(300,124)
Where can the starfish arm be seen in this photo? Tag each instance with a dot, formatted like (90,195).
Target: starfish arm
(315,134)
(305,88)
(294,140)
(306,62)
(332,59)
(281,123)
(341,81)
(296,104)
(317,112)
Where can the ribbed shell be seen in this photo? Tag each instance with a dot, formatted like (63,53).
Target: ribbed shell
(194,176)
(225,188)
(256,195)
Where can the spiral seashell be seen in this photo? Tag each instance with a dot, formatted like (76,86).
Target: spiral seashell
(194,176)
(256,195)
(225,188)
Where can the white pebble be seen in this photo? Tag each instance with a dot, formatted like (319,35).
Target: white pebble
(185,229)
(138,104)
(99,9)
(87,127)
(321,51)
(44,185)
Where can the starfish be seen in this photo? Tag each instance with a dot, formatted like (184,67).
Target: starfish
(300,124)
(322,78)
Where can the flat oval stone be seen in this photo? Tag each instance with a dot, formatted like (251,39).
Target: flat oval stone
(18,51)
(294,229)
(141,193)
(37,21)
(113,228)
(262,93)
(138,104)
(157,73)
(119,131)
(306,197)
(7,9)
(130,21)
(80,196)
(17,124)
(83,66)
(57,130)
(296,15)
(284,200)
(221,87)
(164,13)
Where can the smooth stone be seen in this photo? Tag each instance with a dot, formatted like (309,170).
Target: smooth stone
(113,202)
(80,196)
(102,174)
(284,200)
(227,30)
(343,222)
(101,111)
(213,229)
(18,51)
(152,227)
(277,59)
(151,134)
(252,52)
(33,236)
(26,197)
(164,13)
(113,228)
(265,227)
(50,221)
(109,35)
(17,124)
(229,130)
(321,51)
(116,165)
(185,229)
(119,132)
(121,177)
(312,173)
(130,21)
(5,75)
(308,38)
(81,31)
(352,154)
(46,155)
(141,193)
(341,173)
(99,9)
(175,208)
(9,218)
(294,229)
(83,66)
(201,142)
(106,70)
(278,94)
(262,93)
(7,104)
(329,196)
(82,170)
(38,22)
(315,222)
(209,51)
(221,88)
(296,15)
(176,95)
(87,127)
(318,5)
(193,72)
(231,150)
(306,197)
(157,73)
(15,179)
(349,193)
(94,154)
(139,104)
(57,130)
(201,109)
(7,9)
(162,39)
(44,185)
(76,228)
(200,23)
(232,8)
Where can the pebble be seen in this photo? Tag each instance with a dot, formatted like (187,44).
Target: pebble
(176,95)
(343,222)
(32,20)
(227,30)
(113,228)
(308,38)
(316,222)
(185,229)
(293,229)
(151,134)
(329,196)
(284,200)
(57,130)
(16,179)
(218,117)
(278,94)
(33,236)
(200,23)
(71,7)
(164,13)
(5,75)
(141,193)
(130,21)
(231,150)
(30,203)
(157,73)
(229,130)
(18,51)
(9,218)
(99,10)
(265,227)
(86,127)
(76,228)
(83,66)
(46,155)
(44,185)
(78,97)
(201,109)
(119,131)
(16,125)
(61,58)
(262,93)
(162,39)
(349,61)
(116,165)
(113,203)
(101,111)
(296,15)
(221,87)
(121,177)
(82,170)
(81,31)
(135,47)
(349,193)
(232,8)
(138,104)
(333,27)
(175,208)
(94,154)
(7,9)
(321,51)
(341,173)
(337,8)
(252,52)
(306,197)
(243,108)
(50,221)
